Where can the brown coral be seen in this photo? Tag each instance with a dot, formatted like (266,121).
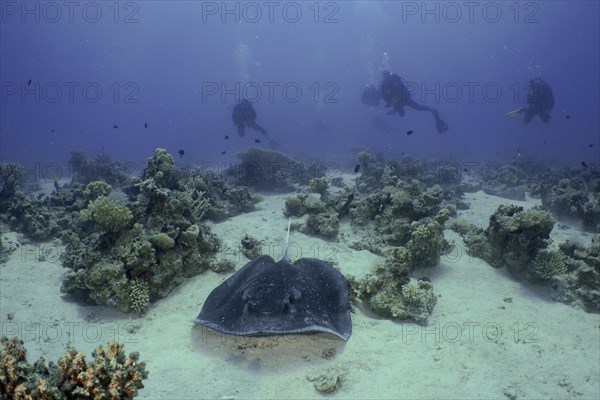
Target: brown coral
(112,375)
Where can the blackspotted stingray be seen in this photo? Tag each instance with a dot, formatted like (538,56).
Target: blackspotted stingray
(278,298)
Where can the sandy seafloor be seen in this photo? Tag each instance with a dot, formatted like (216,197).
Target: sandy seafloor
(478,342)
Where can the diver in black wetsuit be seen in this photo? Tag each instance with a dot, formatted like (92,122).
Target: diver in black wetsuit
(244,116)
(396,95)
(540,101)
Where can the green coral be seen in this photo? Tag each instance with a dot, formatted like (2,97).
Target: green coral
(139,296)
(251,247)
(160,168)
(411,293)
(107,214)
(513,237)
(294,207)
(426,244)
(392,294)
(319,185)
(548,264)
(162,241)
(95,189)
(324,224)
(580,286)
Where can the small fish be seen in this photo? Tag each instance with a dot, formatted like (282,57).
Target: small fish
(256,140)
(181,153)
(52,130)
(146,125)
(115,126)
(29,82)
(226,137)
(409,132)
(583,164)
(357,168)
(591,145)
(466,170)
(223,152)
(544,142)
(567,116)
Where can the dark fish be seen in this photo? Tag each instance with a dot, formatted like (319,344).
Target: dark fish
(146,125)
(544,142)
(256,140)
(52,130)
(583,164)
(356,168)
(591,145)
(223,152)
(466,170)
(567,116)
(29,82)
(181,152)
(115,126)
(226,137)
(409,132)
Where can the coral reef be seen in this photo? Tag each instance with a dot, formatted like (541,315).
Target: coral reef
(580,285)
(95,189)
(324,208)
(391,293)
(572,197)
(513,237)
(111,375)
(548,264)
(384,217)
(107,214)
(86,170)
(272,170)
(139,295)
(10,176)
(143,249)
(251,247)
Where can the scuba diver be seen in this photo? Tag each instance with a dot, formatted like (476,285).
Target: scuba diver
(244,116)
(396,95)
(540,101)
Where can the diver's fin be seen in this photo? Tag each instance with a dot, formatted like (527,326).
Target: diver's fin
(514,113)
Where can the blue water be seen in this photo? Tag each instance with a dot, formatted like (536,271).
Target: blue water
(179,67)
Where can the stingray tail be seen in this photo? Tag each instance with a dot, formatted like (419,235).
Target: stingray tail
(287,241)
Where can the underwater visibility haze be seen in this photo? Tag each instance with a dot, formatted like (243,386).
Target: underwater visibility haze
(436,165)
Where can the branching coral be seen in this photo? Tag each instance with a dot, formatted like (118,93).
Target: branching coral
(95,189)
(112,375)
(107,214)
(547,264)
